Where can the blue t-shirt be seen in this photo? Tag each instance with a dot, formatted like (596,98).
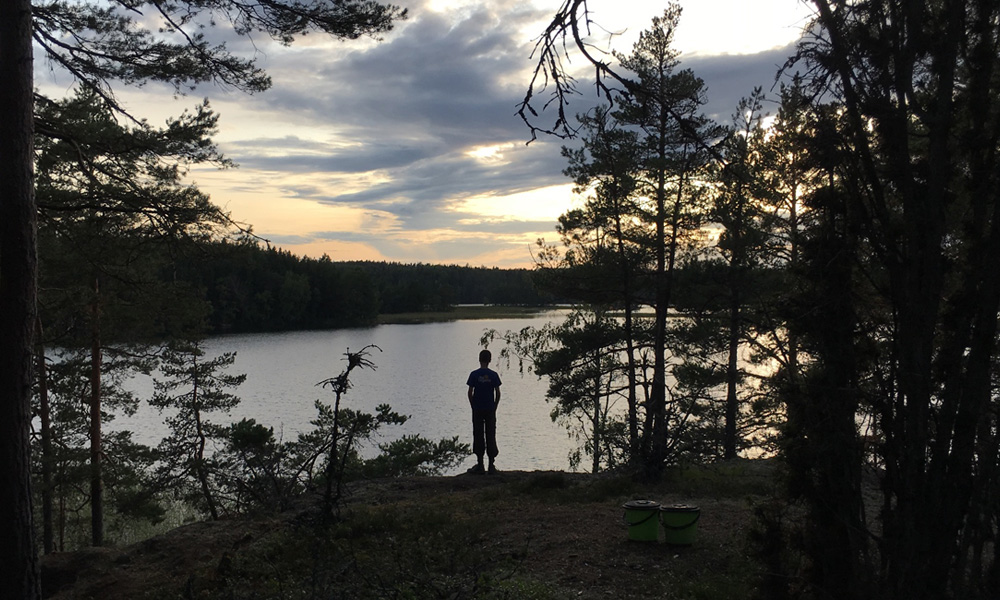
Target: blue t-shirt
(483,382)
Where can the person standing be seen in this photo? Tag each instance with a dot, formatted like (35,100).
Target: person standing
(484,397)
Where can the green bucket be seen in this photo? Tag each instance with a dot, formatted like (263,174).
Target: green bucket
(640,516)
(680,524)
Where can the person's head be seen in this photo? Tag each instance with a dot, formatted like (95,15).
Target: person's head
(485,357)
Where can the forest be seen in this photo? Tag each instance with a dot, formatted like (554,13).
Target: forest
(821,283)
(243,285)
(816,284)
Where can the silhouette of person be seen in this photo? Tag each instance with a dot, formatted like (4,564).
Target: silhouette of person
(484,397)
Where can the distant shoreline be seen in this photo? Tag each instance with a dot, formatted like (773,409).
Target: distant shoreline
(465,312)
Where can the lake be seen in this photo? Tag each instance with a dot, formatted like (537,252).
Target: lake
(421,372)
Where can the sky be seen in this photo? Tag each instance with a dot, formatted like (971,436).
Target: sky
(409,149)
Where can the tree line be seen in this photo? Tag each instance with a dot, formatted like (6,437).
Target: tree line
(252,287)
(421,287)
(243,285)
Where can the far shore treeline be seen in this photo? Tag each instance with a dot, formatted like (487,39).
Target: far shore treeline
(245,286)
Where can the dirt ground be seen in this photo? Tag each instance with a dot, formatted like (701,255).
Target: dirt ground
(578,546)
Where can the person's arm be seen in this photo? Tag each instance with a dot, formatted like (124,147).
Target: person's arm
(496,398)
(471,390)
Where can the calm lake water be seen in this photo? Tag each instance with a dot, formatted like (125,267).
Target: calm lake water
(421,372)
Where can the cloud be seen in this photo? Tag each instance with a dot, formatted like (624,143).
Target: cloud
(414,109)
(731,77)
(446,78)
(429,116)
(376,155)
(387,144)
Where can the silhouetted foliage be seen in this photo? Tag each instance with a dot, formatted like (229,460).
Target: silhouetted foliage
(193,388)
(254,288)
(422,287)
(251,288)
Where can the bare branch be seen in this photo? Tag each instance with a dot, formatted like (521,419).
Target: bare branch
(568,29)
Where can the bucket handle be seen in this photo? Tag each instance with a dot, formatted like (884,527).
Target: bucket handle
(697,516)
(630,524)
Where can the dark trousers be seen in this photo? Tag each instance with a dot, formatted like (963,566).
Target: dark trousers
(484,433)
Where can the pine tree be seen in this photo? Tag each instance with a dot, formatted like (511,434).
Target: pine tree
(193,390)
(605,238)
(665,106)
(112,207)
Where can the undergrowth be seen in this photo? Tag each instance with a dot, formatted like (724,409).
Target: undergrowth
(378,552)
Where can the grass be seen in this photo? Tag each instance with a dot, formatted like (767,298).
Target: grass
(542,536)
(560,488)
(392,551)
(735,479)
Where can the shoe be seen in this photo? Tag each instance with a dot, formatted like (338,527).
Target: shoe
(493,469)
(476,469)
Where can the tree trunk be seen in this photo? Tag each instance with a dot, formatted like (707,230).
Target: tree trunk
(18,287)
(44,414)
(736,280)
(732,380)
(597,422)
(824,451)
(629,327)
(96,485)
(666,255)
(199,458)
(656,416)
(329,498)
